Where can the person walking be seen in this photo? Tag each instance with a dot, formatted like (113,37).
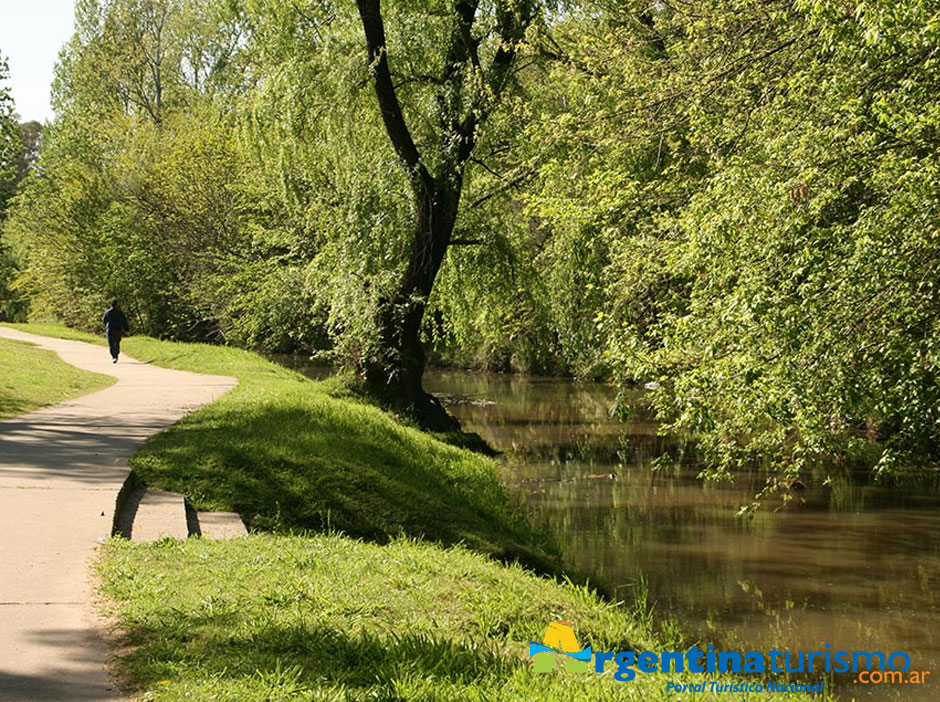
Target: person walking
(115,324)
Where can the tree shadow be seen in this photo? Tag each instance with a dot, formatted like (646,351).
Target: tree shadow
(73,672)
(10,405)
(53,686)
(316,469)
(306,656)
(64,445)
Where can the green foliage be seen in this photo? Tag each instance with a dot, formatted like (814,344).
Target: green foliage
(764,179)
(9,139)
(10,151)
(135,195)
(739,203)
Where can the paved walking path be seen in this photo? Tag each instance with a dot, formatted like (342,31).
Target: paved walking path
(60,471)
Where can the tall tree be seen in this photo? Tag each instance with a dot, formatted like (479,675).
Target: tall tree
(475,65)
(9,139)
(30,143)
(10,150)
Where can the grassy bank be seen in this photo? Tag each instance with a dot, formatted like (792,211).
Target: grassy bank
(33,378)
(327,617)
(389,592)
(331,618)
(290,457)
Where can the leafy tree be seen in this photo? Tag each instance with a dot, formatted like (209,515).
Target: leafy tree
(9,139)
(766,190)
(10,153)
(133,199)
(477,54)
(29,148)
(737,202)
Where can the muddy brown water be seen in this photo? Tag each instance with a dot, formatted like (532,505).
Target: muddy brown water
(850,564)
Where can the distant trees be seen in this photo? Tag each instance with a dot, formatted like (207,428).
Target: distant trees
(12,163)
(9,139)
(134,195)
(739,202)
(29,147)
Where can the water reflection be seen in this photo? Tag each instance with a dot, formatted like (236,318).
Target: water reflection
(849,564)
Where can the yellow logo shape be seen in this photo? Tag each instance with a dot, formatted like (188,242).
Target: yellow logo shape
(559,638)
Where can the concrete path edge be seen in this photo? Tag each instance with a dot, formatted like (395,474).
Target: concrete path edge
(61,471)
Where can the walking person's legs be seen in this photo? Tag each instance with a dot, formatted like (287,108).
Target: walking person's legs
(114,344)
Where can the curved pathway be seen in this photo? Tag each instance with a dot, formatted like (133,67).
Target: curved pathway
(60,472)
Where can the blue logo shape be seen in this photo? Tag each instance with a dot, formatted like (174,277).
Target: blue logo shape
(583,655)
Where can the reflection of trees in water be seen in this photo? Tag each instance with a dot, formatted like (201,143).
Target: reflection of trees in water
(846,563)
(527,412)
(789,579)
(794,579)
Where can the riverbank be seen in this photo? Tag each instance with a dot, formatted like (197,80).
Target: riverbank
(327,617)
(401,585)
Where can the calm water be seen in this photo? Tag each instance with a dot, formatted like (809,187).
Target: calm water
(852,565)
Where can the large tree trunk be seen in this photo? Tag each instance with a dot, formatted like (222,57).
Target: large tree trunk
(395,375)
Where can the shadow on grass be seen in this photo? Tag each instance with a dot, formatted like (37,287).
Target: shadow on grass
(11,406)
(326,465)
(301,656)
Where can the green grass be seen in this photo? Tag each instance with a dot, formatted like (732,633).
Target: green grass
(290,457)
(33,378)
(421,597)
(327,617)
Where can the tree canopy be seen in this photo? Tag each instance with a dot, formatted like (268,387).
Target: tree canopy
(9,139)
(15,160)
(737,199)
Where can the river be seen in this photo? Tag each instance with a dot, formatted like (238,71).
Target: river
(850,564)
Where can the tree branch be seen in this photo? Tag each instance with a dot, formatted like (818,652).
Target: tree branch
(462,48)
(372,23)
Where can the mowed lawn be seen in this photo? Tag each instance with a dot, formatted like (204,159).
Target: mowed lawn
(31,378)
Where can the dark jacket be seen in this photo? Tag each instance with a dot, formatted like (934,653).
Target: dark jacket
(115,323)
